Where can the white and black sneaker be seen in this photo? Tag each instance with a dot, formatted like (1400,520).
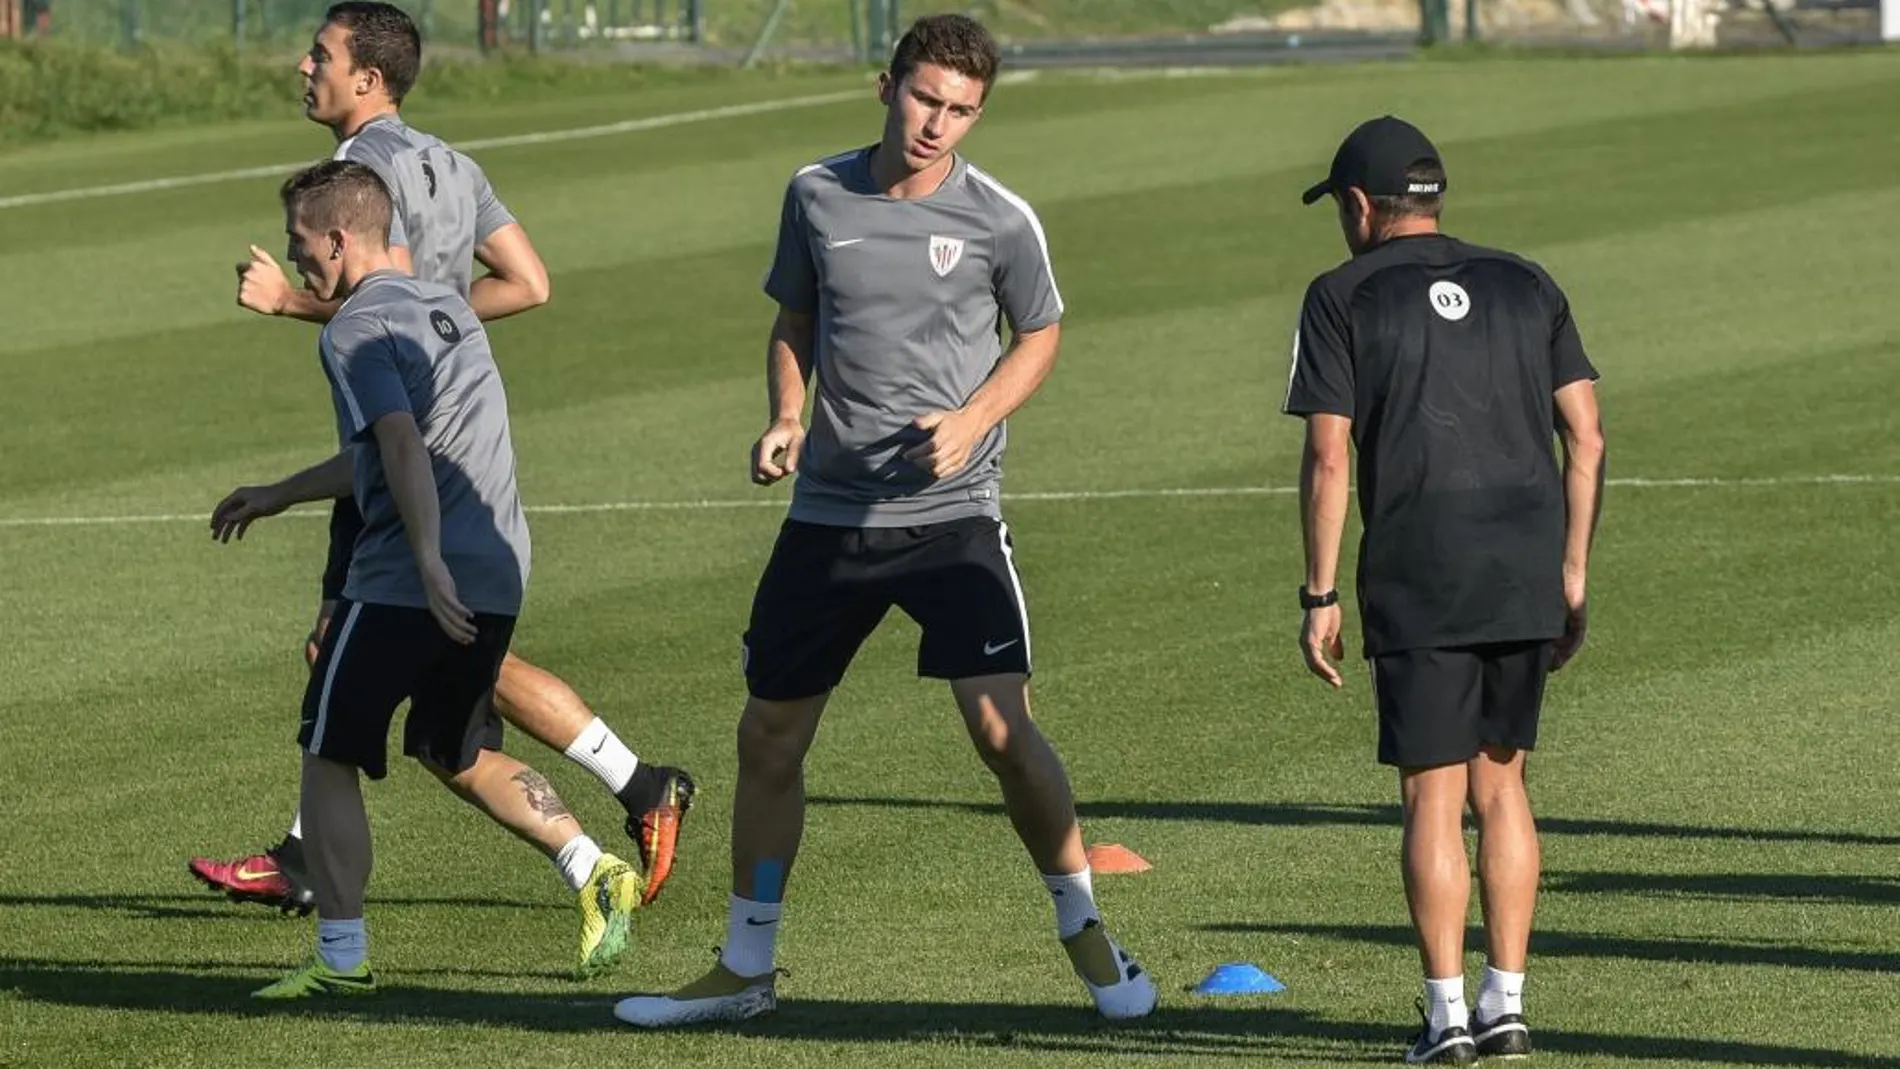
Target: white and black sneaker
(1506,1037)
(1450,1046)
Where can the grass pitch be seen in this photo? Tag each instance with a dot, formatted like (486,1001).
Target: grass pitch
(1717,774)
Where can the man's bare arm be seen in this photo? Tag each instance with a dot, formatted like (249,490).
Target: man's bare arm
(1017,377)
(240,508)
(954,434)
(1580,429)
(1325,491)
(788,363)
(264,288)
(788,367)
(411,476)
(516,281)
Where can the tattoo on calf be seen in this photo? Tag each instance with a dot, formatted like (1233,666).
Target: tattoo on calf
(541,796)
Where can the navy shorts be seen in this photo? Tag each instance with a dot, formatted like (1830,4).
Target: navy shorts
(827,588)
(346,522)
(1440,706)
(375,657)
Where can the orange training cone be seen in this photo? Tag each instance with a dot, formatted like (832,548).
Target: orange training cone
(1116,858)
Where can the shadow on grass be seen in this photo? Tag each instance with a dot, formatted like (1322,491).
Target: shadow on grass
(1172,1032)
(1735,886)
(1590,945)
(1304,814)
(209,904)
(267,969)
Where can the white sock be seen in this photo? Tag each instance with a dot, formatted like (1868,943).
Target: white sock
(1074,896)
(751,936)
(1445,1001)
(576,861)
(1501,993)
(296,825)
(598,750)
(342,944)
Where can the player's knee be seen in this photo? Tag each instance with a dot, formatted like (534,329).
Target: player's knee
(1009,744)
(1497,787)
(1434,792)
(772,739)
(997,740)
(459,782)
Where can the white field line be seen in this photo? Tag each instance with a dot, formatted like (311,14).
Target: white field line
(728,504)
(628,126)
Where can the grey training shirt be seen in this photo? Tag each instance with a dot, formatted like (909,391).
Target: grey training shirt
(399,344)
(909,297)
(444,204)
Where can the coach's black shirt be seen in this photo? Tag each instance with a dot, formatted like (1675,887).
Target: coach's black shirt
(1445,356)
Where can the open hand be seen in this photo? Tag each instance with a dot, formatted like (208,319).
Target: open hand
(1576,622)
(240,508)
(455,619)
(1322,645)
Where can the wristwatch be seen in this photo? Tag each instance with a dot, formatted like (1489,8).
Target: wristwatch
(1318,601)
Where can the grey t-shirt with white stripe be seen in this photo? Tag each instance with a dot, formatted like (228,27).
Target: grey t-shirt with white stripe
(444,204)
(910,298)
(399,344)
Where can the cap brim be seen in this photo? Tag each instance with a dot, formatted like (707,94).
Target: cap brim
(1317,192)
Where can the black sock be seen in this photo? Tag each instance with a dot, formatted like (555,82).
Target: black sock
(289,852)
(644,790)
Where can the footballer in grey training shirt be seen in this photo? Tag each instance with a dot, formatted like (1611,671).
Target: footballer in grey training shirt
(436,203)
(444,204)
(909,297)
(897,271)
(399,344)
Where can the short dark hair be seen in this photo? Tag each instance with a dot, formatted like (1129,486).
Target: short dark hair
(384,37)
(956,42)
(1422,174)
(339,195)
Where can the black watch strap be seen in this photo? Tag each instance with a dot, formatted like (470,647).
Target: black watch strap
(1318,601)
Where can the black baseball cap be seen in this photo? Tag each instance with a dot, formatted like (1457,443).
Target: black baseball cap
(1374,158)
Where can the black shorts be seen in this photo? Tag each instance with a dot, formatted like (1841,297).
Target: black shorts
(827,588)
(373,658)
(346,522)
(1440,706)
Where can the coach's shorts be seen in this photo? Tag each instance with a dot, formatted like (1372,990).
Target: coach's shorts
(346,522)
(827,588)
(376,656)
(1440,706)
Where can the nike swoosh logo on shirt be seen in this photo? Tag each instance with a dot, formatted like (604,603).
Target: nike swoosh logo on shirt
(829,244)
(991,651)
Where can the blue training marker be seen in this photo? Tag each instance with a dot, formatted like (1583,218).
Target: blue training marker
(1239,978)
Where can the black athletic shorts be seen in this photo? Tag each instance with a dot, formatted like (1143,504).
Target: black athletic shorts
(1440,706)
(373,658)
(827,588)
(346,522)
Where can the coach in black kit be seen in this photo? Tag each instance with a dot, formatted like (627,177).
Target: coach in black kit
(1449,368)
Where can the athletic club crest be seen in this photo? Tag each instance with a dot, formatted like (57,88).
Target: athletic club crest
(945,254)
